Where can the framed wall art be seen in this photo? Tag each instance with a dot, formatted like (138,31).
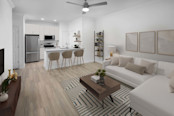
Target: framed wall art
(132,42)
(165,42)
(147,42)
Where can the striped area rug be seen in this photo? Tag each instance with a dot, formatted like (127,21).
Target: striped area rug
(87,105)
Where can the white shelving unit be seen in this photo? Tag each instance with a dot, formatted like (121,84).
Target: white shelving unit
(98,46)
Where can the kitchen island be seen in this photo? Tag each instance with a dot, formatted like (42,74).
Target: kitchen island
(60,50)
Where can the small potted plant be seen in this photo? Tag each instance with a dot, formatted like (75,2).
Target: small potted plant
(101,73)
(4,89)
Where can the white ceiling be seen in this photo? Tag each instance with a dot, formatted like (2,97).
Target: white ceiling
(61,11)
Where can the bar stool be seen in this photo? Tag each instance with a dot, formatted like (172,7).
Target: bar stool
(53,57)
(78,54)
(67,55)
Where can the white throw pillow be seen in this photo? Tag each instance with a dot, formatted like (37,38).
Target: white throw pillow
(114,60)
(171,75)
(124,60)
(150,66)
(116,55)
(171,84)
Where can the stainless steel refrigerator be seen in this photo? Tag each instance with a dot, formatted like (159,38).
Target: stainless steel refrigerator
(32,48)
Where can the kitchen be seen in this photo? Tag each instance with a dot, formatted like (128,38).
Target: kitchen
(43,29)
(41,38)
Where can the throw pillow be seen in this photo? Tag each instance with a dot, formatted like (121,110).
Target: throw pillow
(114,60)
(171,75)
(135,68)
(150,66)
(124,60)
(171,84)
(116,55)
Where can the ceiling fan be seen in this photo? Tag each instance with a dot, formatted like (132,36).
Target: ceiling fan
(86,6)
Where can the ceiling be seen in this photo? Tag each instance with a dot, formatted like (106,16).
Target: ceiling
(61,11)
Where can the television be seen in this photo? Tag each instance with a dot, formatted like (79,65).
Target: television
(49,37)
(1,61)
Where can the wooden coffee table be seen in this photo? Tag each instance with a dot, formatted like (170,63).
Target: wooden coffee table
(100,92)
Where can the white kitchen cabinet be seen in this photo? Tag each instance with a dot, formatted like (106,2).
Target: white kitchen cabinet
(56,31)
(41,32)
(28,29)
(42,53)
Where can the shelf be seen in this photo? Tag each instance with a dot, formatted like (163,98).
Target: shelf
(77,36)
(99,51)
(100,36)
(99,46)
(77,41)
(99,42)
(98,56)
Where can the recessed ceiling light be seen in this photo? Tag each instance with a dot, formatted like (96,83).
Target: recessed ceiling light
(54,20)
(42,19)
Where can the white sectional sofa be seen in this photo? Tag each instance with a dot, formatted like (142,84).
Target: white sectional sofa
(151,96)
(128,77)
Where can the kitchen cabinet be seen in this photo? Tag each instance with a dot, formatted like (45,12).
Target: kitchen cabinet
(42,30)
(42,53)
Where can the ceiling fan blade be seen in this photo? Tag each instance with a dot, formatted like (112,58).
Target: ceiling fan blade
(74,3)
(98,4)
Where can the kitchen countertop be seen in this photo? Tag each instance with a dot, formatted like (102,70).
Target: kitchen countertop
(60,49)
(47,51)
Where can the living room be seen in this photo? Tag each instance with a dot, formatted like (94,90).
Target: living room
(94,57)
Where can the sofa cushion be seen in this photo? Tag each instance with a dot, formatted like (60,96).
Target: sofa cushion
(115,60)
(171,84)
(165,68)
(150,66)
(171,75)
(124,60)
(137,60)
(127,75)
(116,55)
(135,68)
(154,96)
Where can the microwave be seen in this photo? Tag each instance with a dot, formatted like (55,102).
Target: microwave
(49,37)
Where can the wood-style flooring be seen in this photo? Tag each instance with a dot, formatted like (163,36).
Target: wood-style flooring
(41,91)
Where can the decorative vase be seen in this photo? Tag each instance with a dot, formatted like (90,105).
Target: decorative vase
(9,73)
(102,80)
(3,97)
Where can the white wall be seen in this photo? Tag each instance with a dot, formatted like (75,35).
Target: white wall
(19,22)
(88,27)
(63,33)
(74,27)
(6,35)
(150,16)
